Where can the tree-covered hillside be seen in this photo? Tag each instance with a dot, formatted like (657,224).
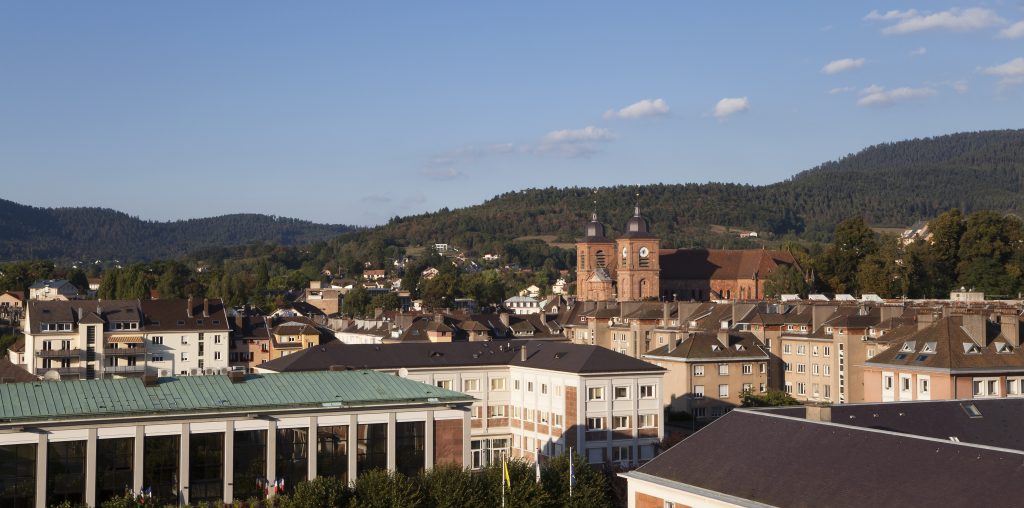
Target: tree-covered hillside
(28,232)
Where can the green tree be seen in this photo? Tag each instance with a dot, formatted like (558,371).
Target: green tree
(321,492)
(387,489)
(768,399)
(78,278)
(356,302)
(784,280)
(592,489)
(386,301)
(885,272)
(449,486)
(838,264)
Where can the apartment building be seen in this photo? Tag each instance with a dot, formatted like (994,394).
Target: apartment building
(971,356)
(531,396)
(707,373)
(90,339)
(919,454)
(209,439)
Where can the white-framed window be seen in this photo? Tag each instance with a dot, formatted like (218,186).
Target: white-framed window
(184,356)
(620,422)
(815,392)
(723,369)
(700,412)
(762,387)
(748,368)
(815,369)
(621,453)
(723,391)
(595,393)
(1014,386)
(646,391)
(529,386)
(827,370)
(444,383)
(814,350)
(986,387)
(158,340)
(801,368)
(748,387)
(216,339)
(828,390)
(544,388)
(788,387)
(647,421)
(827,351)
(698,370)
(787,349)
(216,355)
(801,388)
(788,367)
(621,392)
(477,412)
(556,420)
(595,423)
(157,358)
(496,411)
(924,387)
(698,391)
(515,384)
(558,390)
(184,340)
(471,385)
(497,384)
(801,350)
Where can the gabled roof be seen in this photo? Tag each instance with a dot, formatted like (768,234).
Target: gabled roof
(758,458)
(954,348)
(11,373)
(707,346)
(557,356)
(712,264)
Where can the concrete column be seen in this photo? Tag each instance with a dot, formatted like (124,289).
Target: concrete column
(353,444)
(41,471)
(90,468)
(428,445)
(311,454)
(183,464)
(229,461)
(271,451)
(466,426)
(391,441)
(137,462)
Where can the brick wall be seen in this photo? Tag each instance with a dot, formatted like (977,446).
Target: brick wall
(448,442)
(571,418)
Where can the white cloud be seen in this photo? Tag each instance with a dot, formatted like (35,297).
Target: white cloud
(442,174)
(842,65)
(731,106)
(1014,31)
(919,51)
(1012,72)
(574,142)
(956,20)
(842,89)
(960,87)
(1014,67)
(640,109)
(890,15)
(875,95)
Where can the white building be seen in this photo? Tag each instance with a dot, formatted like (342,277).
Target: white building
(52,289)
(523,305)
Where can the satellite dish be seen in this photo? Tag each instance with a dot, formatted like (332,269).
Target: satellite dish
(51,375)
(403,372)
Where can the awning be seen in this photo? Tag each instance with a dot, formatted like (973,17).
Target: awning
(126,339)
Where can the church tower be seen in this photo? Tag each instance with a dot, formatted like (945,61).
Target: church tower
(639,271)
(595,264)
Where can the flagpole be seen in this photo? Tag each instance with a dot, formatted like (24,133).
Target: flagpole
(571,479)
(504,469)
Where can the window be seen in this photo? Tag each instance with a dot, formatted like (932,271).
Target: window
(529,386)
(723,391)
(620,422)
(698,391)
(748,368)
(558,390)
(515,384)
(216,355)
(986,387)
(476,412)
(184,340)
(827,369)
(814,389)
(646,391)
(184,356)
(496,411)
(1014,386)
(595,393)
(789,387)
(595,423)
(621,453)
(216,339)
(748,387)
(621,392)
(647,421)
(763,367)
(444,383)
(698,370)
(801,388)
(470,385)
(723,369)
(543,388)
(786,348)
(700,412)
(157,358)
(801,368)
(801,350)
(827,351)
(498,384)
(158,340)
(788,367)
(761,387)
(828,390)
(815,369)
(814,350)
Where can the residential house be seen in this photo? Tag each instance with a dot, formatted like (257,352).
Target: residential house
(52,289)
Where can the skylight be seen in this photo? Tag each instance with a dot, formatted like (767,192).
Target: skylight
(971,410)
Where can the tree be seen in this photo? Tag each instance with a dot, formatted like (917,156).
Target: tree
(356,301)
(379,488)
(784,280)
(768,399)
(78,279)
(450,486)
(838,264)
(386,301)
(592,489)
(885,272)
(321,492)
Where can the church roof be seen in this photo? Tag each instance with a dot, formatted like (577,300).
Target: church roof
(705,264)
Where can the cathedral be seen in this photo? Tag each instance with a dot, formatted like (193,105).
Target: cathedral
(634,267)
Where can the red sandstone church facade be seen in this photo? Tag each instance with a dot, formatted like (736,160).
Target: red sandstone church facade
(634,267)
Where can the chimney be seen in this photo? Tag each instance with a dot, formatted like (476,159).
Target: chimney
(974,325)
(890,311)
(236,376)
(206,307)
(819,413)
(150,379)
(925,320)
(1009,325)
(522,353)
(80,313)
(819,313)
(188,311)
(723,334)
(666,313)
(673,344)
(503,316)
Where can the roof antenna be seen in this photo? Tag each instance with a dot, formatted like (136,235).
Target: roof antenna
(593,215)
(636,211)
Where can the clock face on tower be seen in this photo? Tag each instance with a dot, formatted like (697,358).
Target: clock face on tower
(644,252)
(625,252)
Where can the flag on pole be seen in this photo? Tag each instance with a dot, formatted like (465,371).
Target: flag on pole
(504,473)
(537,465)
(572,473)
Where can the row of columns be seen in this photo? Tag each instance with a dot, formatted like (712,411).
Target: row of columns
(228,456)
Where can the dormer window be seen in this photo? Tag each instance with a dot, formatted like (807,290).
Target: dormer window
(908,346)
(971,348)
(739,347)
(828,329)
(716,347)
(929,347)
(1002,347)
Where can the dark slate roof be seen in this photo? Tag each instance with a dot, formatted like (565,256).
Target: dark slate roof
(949,339)
(557,356)
(761,457)
(706,346)
(164,315)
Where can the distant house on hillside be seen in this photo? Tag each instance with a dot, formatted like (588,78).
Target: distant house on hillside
(52,289)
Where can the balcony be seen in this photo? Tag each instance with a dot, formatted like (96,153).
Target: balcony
(60,353)
(124,369)
(65,372)
(124,351)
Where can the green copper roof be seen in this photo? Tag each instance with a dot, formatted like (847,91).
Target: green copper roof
(118,397)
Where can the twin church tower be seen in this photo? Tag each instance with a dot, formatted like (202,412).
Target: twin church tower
(625,269)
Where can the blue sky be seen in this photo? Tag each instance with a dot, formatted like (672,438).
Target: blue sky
(346,113)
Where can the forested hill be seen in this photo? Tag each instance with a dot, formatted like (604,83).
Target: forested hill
(892,184)
(28,232)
